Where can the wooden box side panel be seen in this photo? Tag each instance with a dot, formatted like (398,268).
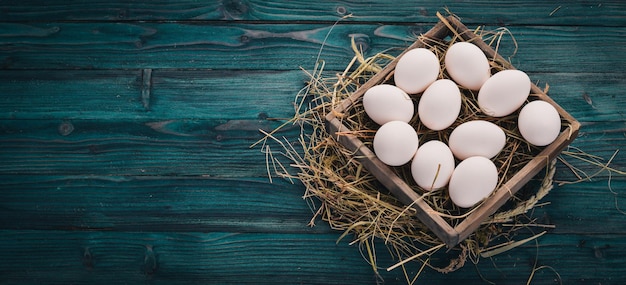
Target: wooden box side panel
(392,182)
(506,191)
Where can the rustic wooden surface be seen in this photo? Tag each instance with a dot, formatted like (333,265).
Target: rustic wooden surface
(125,130)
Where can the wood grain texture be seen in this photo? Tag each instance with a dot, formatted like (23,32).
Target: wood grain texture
(179,147)
(598,13)
(86,122)
(175,94)
(125,130)
(165,258)
(173,147)
(226,258)
(153,203)
(274,47)
(241,94)
(204,204)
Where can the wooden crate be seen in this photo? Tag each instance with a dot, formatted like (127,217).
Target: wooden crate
(449,234)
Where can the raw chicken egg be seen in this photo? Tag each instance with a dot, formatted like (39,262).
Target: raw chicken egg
(395,143)
(476,138)
(416,69)
(539,123)
(432,165)
(440,105)
(467,65)
(472,181)
(384,103)
(504,92)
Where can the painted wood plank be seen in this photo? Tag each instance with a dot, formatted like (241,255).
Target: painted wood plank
(169,45)
(111,164)
(132,148)
(578,259)
(195,147)
(32,257)
(226,94)
(600,13)
(598,137)
(70,147)
(235,99)
(598,202)
(172,94)
(83,137)
(177,258)
(67,93)
(137,165)
(278,46)
(154,203)
(205,204)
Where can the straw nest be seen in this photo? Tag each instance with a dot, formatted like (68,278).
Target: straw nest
(344,194)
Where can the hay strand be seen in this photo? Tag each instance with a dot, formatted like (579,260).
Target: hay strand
(428,251)
(350,199)
(500,248)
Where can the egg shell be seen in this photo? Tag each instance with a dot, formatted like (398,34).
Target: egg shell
(476,138)
(504,92)
(416,70)
(440,105)
(467,65)
(539,123)
(432,165)
(472,181)
(395,143)
(385,103)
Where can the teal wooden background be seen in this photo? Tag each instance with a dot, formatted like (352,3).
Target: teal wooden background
(125,130)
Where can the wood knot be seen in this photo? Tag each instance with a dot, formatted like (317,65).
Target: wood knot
(263,116)
(341,10)
(122,14)
(600,251)
(65,128)
(233,9)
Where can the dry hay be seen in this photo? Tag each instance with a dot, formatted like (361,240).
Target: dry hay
(345,195)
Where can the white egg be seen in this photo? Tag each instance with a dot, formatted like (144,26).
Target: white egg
(432,165)
(539,123)
(416,69)
(467,65)
(440,105)
(472,181)
(395,143)
(476,138)
(384,103)
(504,92)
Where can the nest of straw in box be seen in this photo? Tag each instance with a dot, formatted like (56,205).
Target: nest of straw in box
(344,194)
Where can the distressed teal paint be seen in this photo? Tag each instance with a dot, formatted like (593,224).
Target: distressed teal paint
(125,133)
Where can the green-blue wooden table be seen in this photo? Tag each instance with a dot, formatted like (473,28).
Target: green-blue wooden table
(125,130)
